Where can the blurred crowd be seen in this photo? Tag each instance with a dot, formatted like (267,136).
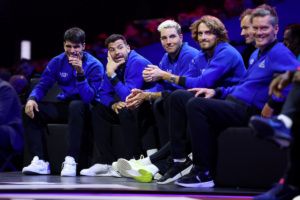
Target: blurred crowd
(138,33)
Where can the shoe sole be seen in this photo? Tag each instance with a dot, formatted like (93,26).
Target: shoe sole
(123,165)
(68,175)
(177,176)
(208,184)
(35,173)
(263,131)
(143,176)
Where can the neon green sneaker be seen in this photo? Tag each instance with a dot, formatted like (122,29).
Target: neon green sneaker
(124,165)
(141,175)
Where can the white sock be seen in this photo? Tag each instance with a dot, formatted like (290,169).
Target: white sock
(286,120)
(146,161)
(151,151)
(179,160)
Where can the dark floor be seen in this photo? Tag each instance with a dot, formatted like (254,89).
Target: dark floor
(14,185)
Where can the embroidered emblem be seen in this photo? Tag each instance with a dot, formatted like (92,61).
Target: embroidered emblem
(251,61)
(262,64)
(63,74)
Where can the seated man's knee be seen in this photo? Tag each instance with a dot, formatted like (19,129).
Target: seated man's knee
(77,106)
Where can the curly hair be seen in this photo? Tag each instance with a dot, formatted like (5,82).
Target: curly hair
(214,24)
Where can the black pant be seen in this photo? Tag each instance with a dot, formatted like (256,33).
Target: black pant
(177,123)
(160,110)
(74,113)
(162,159)
(291,108)
(103,118)
(205,118)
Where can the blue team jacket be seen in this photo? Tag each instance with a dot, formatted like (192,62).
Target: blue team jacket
(134,66)
(178,67)
(253,88)
(59,70)
(224,68)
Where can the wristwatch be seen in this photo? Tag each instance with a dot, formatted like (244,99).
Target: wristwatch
(113,76)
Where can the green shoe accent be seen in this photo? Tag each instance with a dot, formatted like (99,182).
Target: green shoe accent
(143,176)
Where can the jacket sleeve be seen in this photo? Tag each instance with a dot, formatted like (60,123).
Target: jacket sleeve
(281,64)
(46,82)
(89,87)
(106,92)
(133,79)
(217,68)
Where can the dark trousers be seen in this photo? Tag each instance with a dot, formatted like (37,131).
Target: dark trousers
(103,118)
(162,159)
(74,113)
(160,110)
(177,123)
(291,108)
(206,118)
(146,126)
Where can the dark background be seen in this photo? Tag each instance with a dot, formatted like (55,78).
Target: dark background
(44,21)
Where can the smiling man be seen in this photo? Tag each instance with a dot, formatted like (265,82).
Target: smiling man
(79,75)
(123,73)
(175,62)
(248,33)
(208,117)
(217,64)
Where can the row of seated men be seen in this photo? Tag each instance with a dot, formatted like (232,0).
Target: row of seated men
(185,102)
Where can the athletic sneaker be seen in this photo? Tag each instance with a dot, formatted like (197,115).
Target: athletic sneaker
(141,175)
(124,165)
(177,170)
(196,178)
(279,192)
(272,129)
(37,166)
(94,170)
(100,170)
(68,167)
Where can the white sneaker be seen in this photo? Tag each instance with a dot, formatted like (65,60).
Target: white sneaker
(100,170)
(124,166)
(114,166)
(94,170)
(37,166)
(111,172)
(69,167)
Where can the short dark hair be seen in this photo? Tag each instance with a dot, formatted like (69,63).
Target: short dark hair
(265,10)
(75,35)
(214,24)
(245,13)
(113,38)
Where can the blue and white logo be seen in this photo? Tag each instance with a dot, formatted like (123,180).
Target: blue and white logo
(63,74)
(251,61)
(261,64)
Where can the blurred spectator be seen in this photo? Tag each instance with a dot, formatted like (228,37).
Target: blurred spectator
(98,48)
(4,74)
(135,35)
(11,129)
(291,39)
(20,84)
(233,8)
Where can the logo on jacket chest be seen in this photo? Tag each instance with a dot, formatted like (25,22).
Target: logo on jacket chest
(63,74)
(261,64)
